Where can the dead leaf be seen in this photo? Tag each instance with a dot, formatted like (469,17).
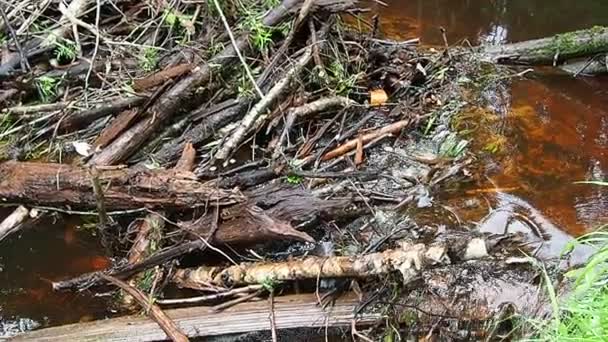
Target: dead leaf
(378,97)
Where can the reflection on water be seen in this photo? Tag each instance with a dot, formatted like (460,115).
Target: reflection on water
(554,126)
(488,21)
(556,135)
(28,264)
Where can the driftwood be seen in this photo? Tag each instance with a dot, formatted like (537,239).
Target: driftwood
(297,311)
(552,50)
(408,259)
(47,184)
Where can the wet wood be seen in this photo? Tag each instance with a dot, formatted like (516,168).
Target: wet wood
(393,128)
(46,184)
(297,311)
(13,222)
(552,50)
(153,310)
(246,224)
(116,127)
(408,259)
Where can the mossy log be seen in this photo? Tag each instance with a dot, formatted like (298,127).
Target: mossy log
(552,50)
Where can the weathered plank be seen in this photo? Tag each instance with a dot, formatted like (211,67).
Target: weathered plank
(296,311)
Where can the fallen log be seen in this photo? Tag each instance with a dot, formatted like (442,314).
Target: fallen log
(246,225)
(47,184)
(552,50)
(408,259)
(290,312)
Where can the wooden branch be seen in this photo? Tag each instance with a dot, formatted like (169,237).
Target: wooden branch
(162,76)
(247,225)
(408,260)
(153,310)
(111,106)
(393,128)
(297,311)
(236,137)
(47,184)
(13,222)
(211,120)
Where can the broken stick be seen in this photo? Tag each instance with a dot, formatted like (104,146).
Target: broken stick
(155,312)
(352,144)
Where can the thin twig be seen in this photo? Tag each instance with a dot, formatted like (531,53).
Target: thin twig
(155,312)
(195,300)
(236,49)
(273,323)
(25,65)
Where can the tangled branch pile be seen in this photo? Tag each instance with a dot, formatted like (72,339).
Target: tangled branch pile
(212,124)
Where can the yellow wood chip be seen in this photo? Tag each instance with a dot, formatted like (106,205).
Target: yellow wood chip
(378,97)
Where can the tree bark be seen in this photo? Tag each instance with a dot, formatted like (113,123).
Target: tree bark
(47,184)
(552,50)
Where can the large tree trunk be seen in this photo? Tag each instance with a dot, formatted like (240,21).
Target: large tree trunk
(552,50)
(58,185)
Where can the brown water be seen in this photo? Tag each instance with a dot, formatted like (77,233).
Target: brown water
(555,129)
(28,264)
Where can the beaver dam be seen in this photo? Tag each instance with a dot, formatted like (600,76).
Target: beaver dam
(252,170)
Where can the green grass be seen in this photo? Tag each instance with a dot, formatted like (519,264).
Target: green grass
(47,88)
(65,51)
(582,315)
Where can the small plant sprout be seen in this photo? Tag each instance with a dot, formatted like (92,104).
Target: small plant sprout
(270,284)
(340,80)
(65,51)
(47,87)
(149,60)
(294,179)
(453,147)
(259,34)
